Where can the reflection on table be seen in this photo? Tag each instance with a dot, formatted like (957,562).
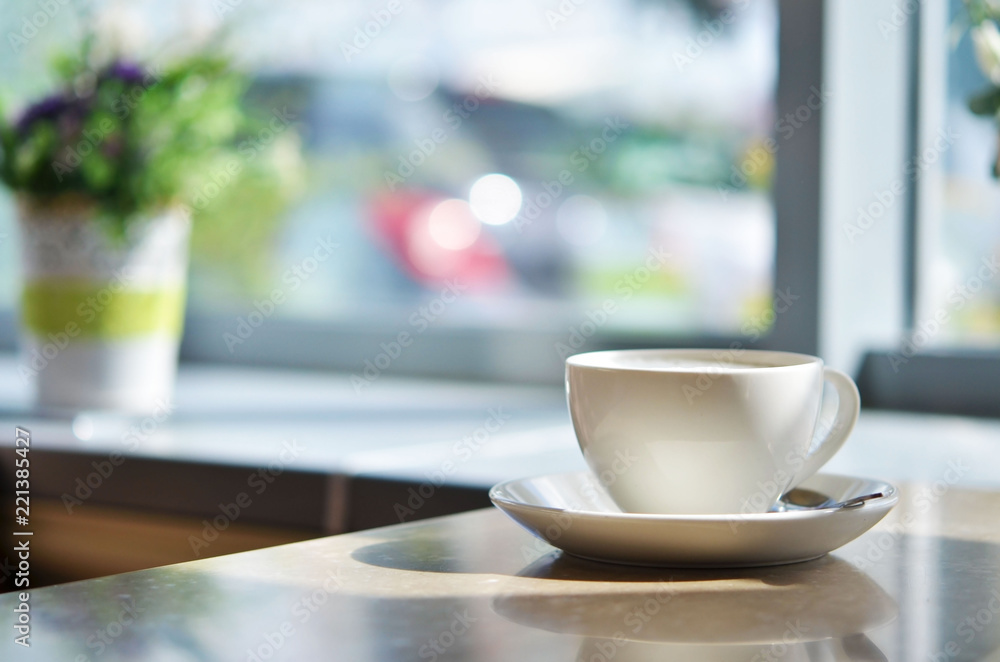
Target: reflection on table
(924,584)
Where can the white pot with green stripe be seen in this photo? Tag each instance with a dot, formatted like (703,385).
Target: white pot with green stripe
(101,316)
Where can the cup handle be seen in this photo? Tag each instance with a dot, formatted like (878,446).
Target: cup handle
(848,407)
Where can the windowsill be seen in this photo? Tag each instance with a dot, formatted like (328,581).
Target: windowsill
(412,430)
(242,416)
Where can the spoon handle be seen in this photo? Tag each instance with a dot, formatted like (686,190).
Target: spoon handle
(857,502)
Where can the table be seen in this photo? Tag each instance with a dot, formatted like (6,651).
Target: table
(923,585)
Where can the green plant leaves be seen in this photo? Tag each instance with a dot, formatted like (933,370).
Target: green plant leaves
(135,140)
(985,103)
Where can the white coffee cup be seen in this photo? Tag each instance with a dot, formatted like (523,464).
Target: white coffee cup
(701,431)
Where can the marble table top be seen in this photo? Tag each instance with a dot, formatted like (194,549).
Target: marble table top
(923,585)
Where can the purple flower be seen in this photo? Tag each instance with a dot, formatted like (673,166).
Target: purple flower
(127,72)
(48,108)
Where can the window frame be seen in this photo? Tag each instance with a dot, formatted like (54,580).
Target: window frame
(907,376)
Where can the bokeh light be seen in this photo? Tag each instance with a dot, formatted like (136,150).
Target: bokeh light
(452,225)
(495,199)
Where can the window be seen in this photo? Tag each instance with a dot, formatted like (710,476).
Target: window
(959,243)
(540,177)
(945,356)
(504,181)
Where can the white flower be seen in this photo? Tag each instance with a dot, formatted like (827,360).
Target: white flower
(986,42)
(121,30)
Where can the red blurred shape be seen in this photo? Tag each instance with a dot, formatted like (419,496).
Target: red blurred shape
(398,222)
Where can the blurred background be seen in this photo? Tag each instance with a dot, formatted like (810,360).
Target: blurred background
(427,144)
(427,148)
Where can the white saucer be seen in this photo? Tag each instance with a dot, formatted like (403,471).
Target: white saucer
(572,512)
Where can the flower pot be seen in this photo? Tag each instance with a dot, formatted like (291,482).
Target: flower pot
(101,316)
